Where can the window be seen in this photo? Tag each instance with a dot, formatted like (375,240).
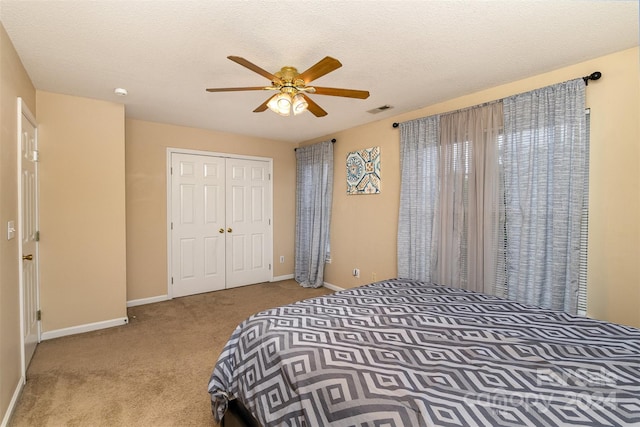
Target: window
(506,209)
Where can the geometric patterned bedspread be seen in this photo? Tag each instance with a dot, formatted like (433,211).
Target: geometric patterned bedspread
(407,353)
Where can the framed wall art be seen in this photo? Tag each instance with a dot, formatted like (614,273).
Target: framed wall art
(363,171)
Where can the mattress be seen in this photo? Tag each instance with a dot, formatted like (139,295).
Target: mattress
(408,353)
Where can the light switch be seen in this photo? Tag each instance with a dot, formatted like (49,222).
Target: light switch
(11,230)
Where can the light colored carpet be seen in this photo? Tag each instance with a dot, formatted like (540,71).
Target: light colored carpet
(153,371)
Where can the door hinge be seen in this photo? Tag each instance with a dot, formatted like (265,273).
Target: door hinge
(36,237)
(171,170)
(172,280)
(39,315)
(36,156)
(269,176)
(269,221)
(269,266)
(172,225)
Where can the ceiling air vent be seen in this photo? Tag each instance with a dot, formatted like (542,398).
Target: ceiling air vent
(380,109)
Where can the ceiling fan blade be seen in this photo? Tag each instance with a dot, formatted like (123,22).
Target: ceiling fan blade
(253,67)
(348,93)
(313,107)
(324,66)
(234,89)
(263,107)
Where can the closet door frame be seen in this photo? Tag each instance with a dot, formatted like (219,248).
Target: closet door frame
(170,151)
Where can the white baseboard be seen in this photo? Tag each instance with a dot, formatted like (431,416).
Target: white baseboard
(151,300)
(57,333)
(284,277)
(13,403)
(332,287)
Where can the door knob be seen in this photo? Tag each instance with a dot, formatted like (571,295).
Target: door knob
(27,257)
(221,230)
(229,230)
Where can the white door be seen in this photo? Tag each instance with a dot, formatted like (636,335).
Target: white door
(198,221)
(220,223)
(28,233)
(248,222)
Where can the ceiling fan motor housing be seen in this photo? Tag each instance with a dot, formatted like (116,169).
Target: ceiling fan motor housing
(289,83)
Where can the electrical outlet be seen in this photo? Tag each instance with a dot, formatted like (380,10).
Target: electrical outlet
(356,272)
(281,259)
(374,276)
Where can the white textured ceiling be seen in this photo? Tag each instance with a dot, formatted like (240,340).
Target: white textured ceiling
(408,54)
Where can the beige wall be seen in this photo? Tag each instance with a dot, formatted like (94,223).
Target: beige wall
(146,152)
(364,228)
(14,83)
(82,211)
(614,190)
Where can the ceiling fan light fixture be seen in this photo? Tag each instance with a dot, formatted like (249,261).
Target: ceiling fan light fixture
(299,104)
(281,104)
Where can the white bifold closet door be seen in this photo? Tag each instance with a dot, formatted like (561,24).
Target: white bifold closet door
(220,218)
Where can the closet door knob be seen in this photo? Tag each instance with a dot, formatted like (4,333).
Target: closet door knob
(229,230)
(221,231)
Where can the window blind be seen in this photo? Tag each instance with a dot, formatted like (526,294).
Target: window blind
(584,233)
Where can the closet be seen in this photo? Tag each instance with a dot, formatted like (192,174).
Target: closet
(219,222)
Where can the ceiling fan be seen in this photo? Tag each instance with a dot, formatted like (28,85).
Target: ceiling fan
(292,87)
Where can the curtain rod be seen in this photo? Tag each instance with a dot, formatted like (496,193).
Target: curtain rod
(333,141)
(593,76)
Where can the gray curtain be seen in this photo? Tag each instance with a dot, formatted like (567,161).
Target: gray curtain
(418,197)
(545,163)
(467,219)
(314,189)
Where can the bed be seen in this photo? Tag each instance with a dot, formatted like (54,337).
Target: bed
(408,353)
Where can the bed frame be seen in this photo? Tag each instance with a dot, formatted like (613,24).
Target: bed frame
(238,416)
